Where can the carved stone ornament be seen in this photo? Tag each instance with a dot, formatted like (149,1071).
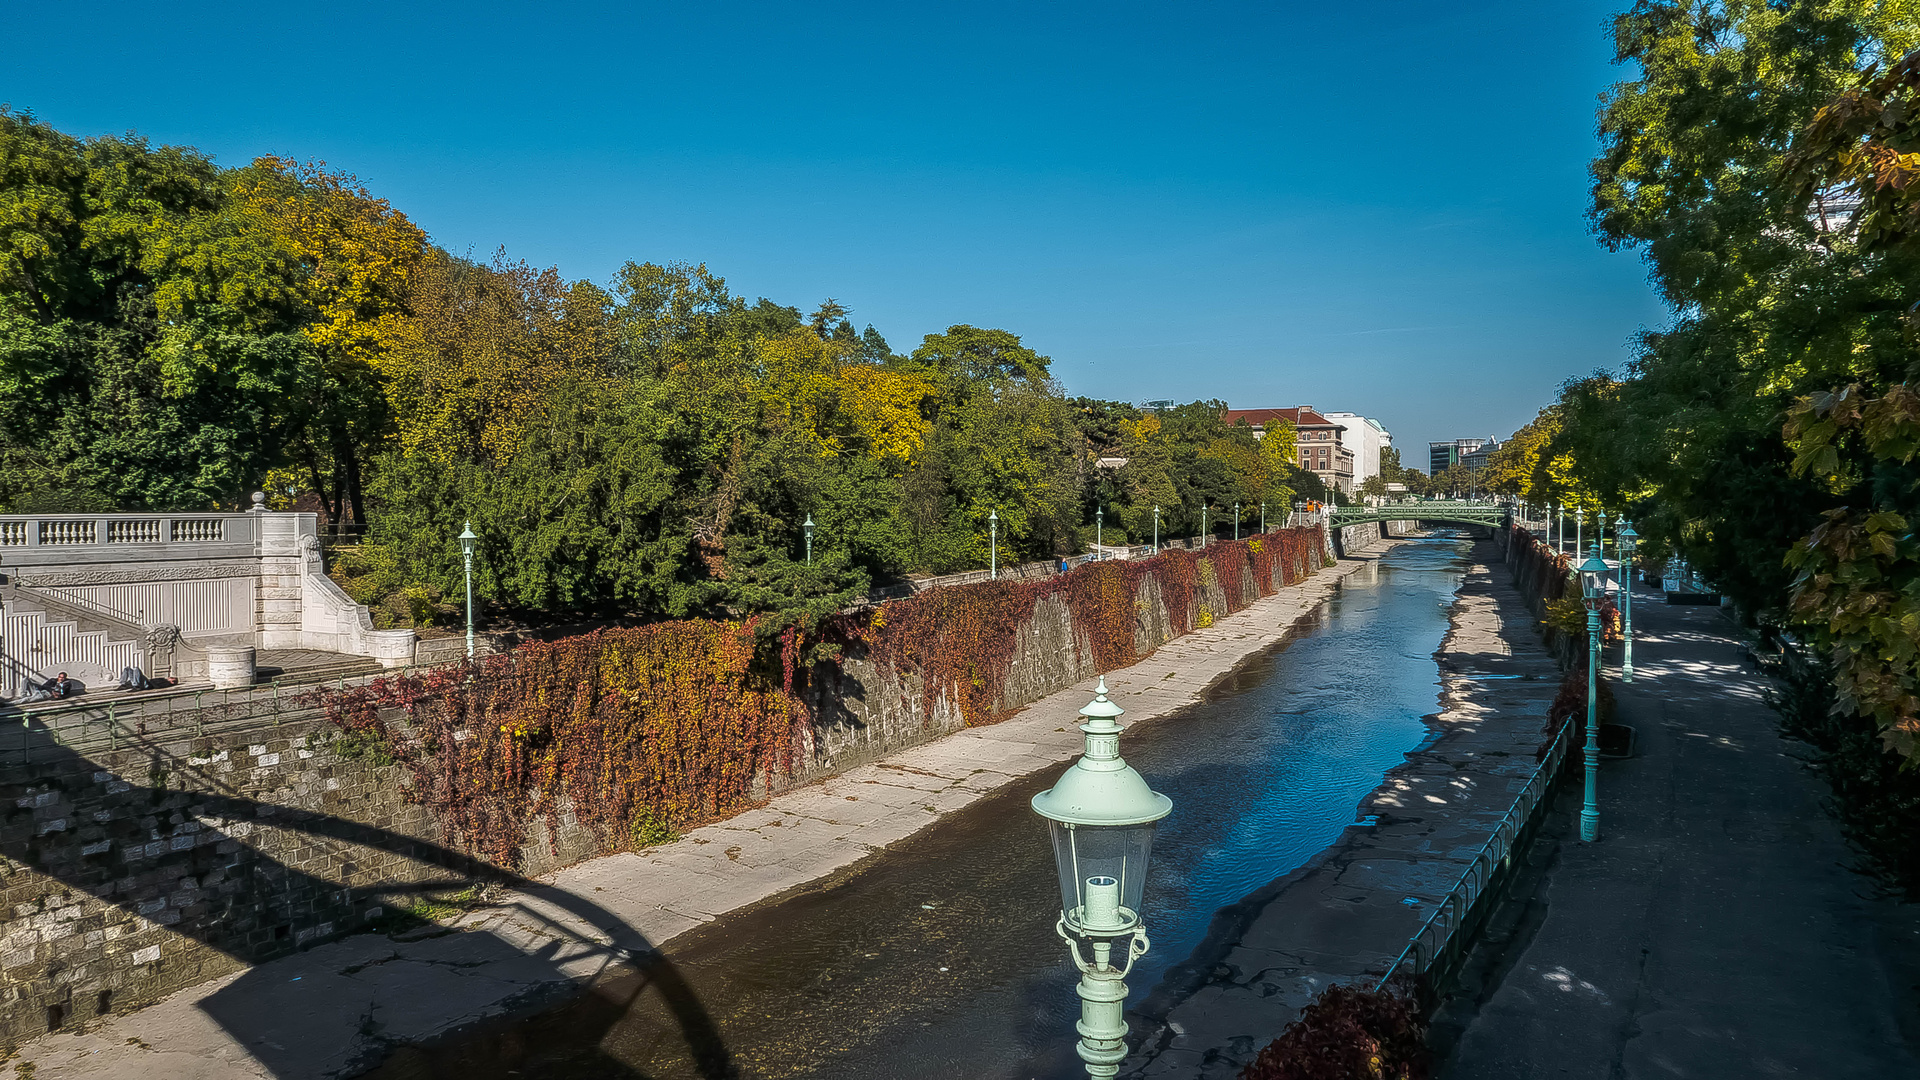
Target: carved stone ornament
(134,577)
(160,642)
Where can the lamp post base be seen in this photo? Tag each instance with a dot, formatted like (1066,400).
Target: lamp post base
(1102,1026)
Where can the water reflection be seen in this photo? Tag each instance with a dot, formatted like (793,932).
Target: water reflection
(939,959)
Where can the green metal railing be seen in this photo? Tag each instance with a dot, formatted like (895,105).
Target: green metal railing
(1436,948)
(1468,513)
(91,725)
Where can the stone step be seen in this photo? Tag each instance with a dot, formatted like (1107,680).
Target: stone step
(346,667)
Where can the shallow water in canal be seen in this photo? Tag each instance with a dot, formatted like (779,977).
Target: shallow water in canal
(939,959)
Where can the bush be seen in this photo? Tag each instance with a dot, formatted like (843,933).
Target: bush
(1570,704)
(1350,1034)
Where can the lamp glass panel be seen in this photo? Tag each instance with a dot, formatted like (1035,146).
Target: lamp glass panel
(1089,851)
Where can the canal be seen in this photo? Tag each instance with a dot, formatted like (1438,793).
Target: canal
(939,958)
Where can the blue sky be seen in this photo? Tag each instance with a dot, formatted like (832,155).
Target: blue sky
(1371,207)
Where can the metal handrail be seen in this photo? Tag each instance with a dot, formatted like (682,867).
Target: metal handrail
(71,723)
(1453,909)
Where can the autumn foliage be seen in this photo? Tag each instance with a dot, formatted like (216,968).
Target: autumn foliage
(961,641)
(1349,1034)
(638,732)
(668,723)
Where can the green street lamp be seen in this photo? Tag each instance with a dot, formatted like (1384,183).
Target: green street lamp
(1099,526)
(1102,816)
(467,540)
(993,541)
(1263,515)
(1593,578)
(1627,540)
(807,528)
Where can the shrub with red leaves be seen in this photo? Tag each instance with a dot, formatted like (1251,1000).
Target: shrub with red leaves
(1350,1034)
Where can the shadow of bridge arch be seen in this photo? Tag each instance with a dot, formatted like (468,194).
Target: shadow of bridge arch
(77,820)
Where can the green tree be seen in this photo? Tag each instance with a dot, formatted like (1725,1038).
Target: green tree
(150,326)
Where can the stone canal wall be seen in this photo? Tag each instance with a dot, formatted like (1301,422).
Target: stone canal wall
(1356,538)
(132,871)
(1540,577)
(139,860)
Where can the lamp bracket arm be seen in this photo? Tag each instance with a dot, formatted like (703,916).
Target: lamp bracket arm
(1136,949)
(1073,945)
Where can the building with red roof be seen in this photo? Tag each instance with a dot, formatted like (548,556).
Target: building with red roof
(1323,450)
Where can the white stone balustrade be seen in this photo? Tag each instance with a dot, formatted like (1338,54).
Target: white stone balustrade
(86,592)
(99,530)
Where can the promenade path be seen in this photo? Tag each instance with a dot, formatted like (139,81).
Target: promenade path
(336,1009)
(1716,929)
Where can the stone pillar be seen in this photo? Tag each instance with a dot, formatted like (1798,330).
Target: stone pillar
(230,667)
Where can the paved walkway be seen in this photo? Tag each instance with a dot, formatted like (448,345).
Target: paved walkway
(336,1009)
(1346,916)
(1715,930)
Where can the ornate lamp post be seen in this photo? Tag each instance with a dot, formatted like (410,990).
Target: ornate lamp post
(1560,534)
(1099,526)
(1300,512)
(1593,577)
(807,527)
(1204,507)
(1628,540)
(993,551)
(1156,529)
(1102,815)
(1579,520)
(467,540)
(1263,515)
(1236,521)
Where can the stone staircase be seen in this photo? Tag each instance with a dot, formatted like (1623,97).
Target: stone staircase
(300,668)
(37,643)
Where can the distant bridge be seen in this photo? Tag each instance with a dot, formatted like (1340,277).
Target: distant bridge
(1491,515)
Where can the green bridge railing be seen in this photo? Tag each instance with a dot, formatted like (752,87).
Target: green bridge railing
(1458,512)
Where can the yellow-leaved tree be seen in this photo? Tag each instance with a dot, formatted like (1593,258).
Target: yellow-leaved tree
(358,257)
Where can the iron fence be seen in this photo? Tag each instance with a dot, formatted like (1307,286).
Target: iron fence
(95,724)
(1436,948)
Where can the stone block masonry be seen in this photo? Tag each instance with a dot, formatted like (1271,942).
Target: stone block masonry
(131,872)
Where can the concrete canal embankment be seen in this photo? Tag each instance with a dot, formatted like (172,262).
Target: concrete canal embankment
(145,849)
(339,1006)
(1345,916)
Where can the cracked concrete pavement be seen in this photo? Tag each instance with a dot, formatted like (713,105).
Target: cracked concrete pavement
(337,1009)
